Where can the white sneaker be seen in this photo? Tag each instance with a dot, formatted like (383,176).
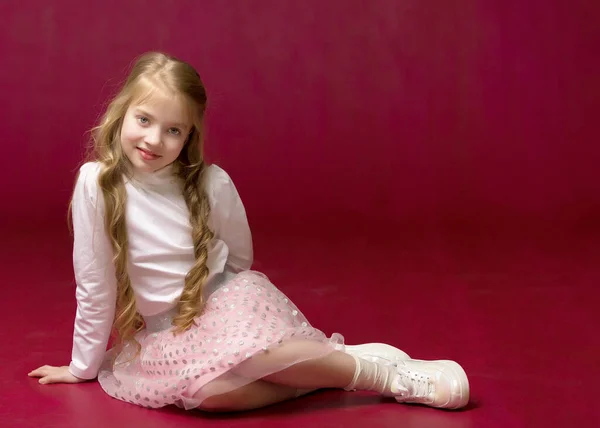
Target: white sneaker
(377,353)
(442,384)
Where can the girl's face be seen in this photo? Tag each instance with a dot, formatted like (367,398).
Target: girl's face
(155,131)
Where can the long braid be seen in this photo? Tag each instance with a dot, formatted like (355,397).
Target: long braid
(127,320)
(191,301)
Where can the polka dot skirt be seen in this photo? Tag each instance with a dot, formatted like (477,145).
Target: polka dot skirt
(246,316)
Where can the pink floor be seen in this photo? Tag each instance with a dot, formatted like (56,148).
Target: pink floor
(518,313)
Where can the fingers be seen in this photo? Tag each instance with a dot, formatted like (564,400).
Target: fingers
(47,379)
(41,371)
(49,374)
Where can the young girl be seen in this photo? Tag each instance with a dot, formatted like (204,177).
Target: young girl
(162,257)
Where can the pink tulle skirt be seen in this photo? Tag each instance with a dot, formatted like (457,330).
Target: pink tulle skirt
(245,317)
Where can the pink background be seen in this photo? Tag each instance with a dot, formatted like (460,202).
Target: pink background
(472,116)
(424,173)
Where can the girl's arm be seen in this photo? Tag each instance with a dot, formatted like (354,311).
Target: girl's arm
(96,284)
(94,274)
(230,223)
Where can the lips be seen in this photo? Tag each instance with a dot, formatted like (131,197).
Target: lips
(147,154)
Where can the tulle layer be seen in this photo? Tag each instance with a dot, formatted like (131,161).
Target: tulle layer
(245,317)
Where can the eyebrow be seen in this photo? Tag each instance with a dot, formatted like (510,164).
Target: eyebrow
(145,113)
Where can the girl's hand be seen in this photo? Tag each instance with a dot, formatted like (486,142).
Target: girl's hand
(50,374)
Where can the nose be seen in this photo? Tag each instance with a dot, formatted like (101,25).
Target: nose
(152,137)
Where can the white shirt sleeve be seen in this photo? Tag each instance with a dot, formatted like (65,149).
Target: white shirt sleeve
(230,223)
(94,275)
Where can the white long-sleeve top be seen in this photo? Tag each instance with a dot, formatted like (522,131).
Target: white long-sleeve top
(160,253)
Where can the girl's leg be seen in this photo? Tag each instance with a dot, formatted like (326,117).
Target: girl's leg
(255,395)
(334,370)
(434,383)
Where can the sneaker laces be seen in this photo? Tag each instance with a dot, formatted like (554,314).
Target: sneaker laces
(411,384)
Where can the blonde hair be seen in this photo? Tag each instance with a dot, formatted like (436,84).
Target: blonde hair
(154,71)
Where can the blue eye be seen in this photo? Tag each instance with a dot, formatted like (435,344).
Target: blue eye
(174,131)
(143,120)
